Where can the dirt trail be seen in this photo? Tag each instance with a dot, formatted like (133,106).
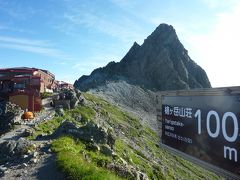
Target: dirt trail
(44,167)
(19,129)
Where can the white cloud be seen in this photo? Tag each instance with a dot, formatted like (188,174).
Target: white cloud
(23,41)
(123,29)
(218,50)
(85,67)
(90,15)
(220,3)
(33,46)
(4,27)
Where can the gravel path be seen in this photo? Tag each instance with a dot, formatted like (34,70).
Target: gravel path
(19,129)
(43,167)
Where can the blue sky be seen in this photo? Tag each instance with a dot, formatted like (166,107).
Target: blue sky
(72,37)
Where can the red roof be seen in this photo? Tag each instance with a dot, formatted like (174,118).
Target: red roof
(18,69)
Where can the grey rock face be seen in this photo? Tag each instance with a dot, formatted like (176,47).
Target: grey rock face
(59,110)
(160,63)
(89,133)
(127,171)
(10,114)
(132,98)
(27,132)
(105,149)
(69,99)
(13,150)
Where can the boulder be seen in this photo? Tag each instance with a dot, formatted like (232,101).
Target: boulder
(25,156)
(111,139)
(10,114)
(16,110)
(64,103)
(127,171)
(82,100)
(73,97)
(89,132)
(105,149)
(14,150)
(59,110)
(35,154)
(56,97)
(23,166)
(6,122)
(69,99)
(7,148)
(22,146)
(2,170)
(61,96)
(27,132)
(93,147)
(78,93)
(69,94)
(34,160)
(78,118)
(73,102)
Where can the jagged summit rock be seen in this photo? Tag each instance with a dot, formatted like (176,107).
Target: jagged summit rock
(163,34)
(160,63)
(131,52)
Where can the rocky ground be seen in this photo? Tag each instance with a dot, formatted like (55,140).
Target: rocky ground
(39,164)
(21,158)
(17,162)
(133,99)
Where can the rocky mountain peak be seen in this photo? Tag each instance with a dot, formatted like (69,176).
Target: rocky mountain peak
(163,34)
(135,45)
(160,63)
(164,28)
(132,51)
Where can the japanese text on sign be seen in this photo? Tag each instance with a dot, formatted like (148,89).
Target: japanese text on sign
(178,111)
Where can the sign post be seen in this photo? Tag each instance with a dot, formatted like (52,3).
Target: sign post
(204,127)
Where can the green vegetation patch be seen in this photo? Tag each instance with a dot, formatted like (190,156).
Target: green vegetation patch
(137,159)
(117,118)
(148,132)
(79,163)
(86,113)
(94,99)
(46,95)
(47,127)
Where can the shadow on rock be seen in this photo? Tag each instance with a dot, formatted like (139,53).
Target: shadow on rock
(49,171)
